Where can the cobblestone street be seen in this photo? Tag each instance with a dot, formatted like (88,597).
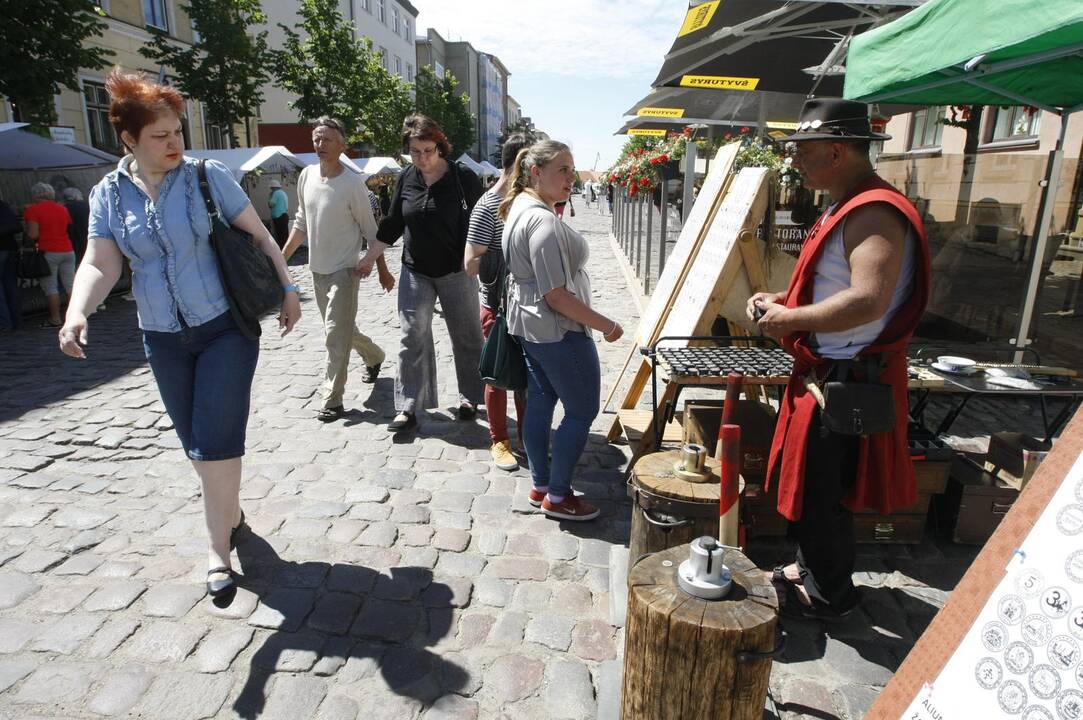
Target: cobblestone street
(385,578)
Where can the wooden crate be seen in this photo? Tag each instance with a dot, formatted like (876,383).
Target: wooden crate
(974,503)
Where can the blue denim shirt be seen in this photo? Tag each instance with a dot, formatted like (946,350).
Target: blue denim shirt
(174,270)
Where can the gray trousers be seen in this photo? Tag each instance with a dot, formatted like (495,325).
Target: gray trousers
(415,381)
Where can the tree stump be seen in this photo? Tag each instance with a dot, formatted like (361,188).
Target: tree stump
(683,655)
(681,510)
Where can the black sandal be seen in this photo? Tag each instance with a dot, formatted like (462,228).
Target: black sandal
(330,414)
(236,531)
(403,421)
(218,588)
(778,576)
(467,410)
(371,373)
(794,607)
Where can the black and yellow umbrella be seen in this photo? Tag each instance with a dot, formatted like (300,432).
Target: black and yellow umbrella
(718,107)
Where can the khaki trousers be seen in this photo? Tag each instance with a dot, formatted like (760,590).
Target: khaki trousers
(336,297)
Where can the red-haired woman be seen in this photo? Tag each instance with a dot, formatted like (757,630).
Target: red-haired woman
(431,210)
(149,210)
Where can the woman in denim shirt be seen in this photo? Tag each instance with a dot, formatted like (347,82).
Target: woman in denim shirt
(150,211)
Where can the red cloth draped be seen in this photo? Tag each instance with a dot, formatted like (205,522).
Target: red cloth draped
(885,474)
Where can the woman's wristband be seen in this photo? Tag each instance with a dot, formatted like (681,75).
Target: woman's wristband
(291,288)
(611,330)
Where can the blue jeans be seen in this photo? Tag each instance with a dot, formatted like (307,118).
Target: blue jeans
(204,375)
(567,371)
(11,297)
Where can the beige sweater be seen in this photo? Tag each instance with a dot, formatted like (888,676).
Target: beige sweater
(336,216)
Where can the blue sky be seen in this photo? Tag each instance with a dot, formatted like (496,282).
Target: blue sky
(576,65)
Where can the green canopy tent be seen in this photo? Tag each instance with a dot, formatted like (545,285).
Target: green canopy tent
(955,52)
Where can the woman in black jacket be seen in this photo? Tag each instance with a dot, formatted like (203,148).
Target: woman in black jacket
(430,209)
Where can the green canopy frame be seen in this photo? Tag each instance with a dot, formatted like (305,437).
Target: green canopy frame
(1021,52)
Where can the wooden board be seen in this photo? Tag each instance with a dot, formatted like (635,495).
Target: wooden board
(941,639)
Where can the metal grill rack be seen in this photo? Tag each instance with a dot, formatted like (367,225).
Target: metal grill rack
(718,362)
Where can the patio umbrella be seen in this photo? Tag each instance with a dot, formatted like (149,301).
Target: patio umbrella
(687,106)
(794,46)
(21,150)
(1024,53)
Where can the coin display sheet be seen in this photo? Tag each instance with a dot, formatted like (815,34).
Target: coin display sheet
(1023,656)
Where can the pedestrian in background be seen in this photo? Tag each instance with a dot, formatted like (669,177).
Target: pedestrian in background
(47,223)
(202,362)
(279,205)
(549,311)
(430,210)
(79,211)
(11,304)
(334,215)
(485,258)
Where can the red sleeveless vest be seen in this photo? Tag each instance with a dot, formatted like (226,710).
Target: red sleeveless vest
(885,475)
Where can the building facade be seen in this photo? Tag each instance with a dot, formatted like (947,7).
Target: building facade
(83,114)
(391,25)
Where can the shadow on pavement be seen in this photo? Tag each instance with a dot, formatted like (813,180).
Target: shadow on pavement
(348,612)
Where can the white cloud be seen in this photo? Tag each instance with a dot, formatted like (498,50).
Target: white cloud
(572,38)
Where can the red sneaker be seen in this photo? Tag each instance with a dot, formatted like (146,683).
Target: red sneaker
(536,497)
(570,508)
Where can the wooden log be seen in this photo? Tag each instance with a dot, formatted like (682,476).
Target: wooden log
(694,505)
(682,654)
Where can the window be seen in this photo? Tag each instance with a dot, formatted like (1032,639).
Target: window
(101,133)
(1015,122)
(366,5)
(381,11)
(383,57)
(216,136)
(154,14)
(398,66)
(926,128)
(438,69)
(409,72)
(409,30)
(395,20)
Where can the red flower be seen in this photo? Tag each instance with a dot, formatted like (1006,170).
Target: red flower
(744,131)
(663,159)
(614,178)
(633,191)
(645,182)
(687,132)
(728,136)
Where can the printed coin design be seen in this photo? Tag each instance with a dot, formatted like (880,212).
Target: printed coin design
(1010,609)
(994,636)
(1012,697)
(1070,705)
(1075,622)
(1056,602)
(1029,582)
(1070,519)
(1073,566)
(988,673)
(1018,657)
(1044,681)
(1036,630)
(1063,652)
(1037,712)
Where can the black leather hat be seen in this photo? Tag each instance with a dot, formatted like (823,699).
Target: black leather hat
(834,119)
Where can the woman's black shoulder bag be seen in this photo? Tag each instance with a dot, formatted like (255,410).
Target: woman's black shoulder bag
(502,364)
(248,276)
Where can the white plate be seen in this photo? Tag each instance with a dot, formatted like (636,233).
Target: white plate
(954,370)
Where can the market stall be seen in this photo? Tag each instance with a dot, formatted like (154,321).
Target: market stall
(255,168)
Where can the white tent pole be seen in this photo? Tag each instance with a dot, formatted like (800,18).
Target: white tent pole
(1045,216)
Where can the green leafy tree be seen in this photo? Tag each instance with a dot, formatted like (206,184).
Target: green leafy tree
(334,73)
(515,127)
(226,68)
(437,98)
(42,47)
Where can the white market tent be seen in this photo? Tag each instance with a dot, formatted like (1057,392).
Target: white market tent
(312,159)
(405,159)
(271,159)
(488,169)
(380,166)
(472,164)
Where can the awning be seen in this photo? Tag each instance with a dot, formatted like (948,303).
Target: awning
(312,159)
(488,169)
(241,161)
(689,106)
(793,46)
(471,163)
(379,166)
(21,150)
(4,127)
(1023,53)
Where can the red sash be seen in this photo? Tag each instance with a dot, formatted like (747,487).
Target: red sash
(885,475)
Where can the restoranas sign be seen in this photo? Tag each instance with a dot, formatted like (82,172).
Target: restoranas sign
(647,132)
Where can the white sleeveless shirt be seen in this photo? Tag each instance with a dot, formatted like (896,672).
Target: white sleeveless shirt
(833,276)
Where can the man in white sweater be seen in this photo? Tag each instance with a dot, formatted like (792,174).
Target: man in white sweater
(334,214)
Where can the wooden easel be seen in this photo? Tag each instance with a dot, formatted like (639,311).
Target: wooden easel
(729,248)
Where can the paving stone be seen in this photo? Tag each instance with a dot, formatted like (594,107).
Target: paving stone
(363,663)
(164,641)
(185,696)
(323,510)
(119,691)
(299,528)
(221,647)
(378,534)
(594,552)
(861,662)
(521,544)
(802,697)
(15,633)
(457,520)
(451,501)
(452,592)
(514,677)
(14,588)
(471,485)
(452,707)
(79,565)
(559,546)
(416,535)
(338,707)
(345,530)
(283,609)
(82,518)
(572,599)
(370,512)
(550,630)
(411,496)
(334,613)
(491,542)
(84,541)
(593,640)
(172,600)
(241,605)
(421,557)
(12,671)
(493,591)
(302,575)
(109,638)
(292,698)
(38,561)
(393,478)
(387,620)
(510,568)
(402,583)
(460,564)
(10,553)
(333,656)
(474,629)
(67,633)
(854,701)
(363,494)
(288,652)
(451,539)
(115,595)
(351,578)
(609,677)
(56,683)
(416,514)
(508,630)
(570,692)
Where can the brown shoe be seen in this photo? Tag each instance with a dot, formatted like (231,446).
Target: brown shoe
(570,508)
